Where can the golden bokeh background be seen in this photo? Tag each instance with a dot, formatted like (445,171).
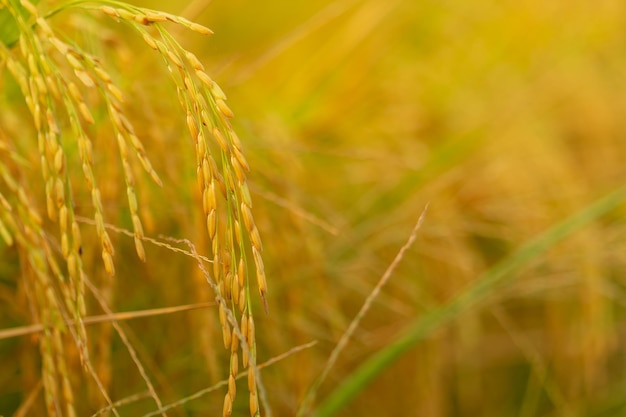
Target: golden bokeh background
(504,117)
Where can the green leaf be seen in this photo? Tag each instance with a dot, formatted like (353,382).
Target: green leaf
(485,285)
(9,29)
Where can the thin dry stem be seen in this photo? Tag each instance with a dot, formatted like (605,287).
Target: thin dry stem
(130,315)
(347,335)
(224,382)
(129,347)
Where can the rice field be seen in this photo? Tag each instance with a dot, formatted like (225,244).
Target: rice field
(332,208)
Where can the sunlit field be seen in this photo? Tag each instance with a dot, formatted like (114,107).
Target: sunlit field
(321,208)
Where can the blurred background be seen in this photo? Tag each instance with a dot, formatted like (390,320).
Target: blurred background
(506,117)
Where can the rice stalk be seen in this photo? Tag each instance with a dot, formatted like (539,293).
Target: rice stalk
(54,76)
(345,338)
(476,293)
(220,167)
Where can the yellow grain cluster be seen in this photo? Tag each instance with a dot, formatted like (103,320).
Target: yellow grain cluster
(22,225)
(55,76)
(43,89)
(223,190)
(52,94)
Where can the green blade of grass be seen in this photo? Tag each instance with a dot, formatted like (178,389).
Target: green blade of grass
(9,30)
(484,285)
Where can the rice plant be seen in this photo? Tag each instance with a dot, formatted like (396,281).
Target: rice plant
(132,273)
(63,85)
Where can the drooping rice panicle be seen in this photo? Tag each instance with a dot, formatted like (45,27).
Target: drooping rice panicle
(24,223)
(220,163)
(60,82)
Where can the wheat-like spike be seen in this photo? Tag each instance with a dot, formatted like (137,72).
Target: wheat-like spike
(130,189)
(113,97)
(123,130)
(72,99)
(58,200)
(66,387)
(53,158)
(220,164)
(146,17)
(49,376)
(49,315)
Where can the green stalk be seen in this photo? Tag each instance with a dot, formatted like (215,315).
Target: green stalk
(501,273)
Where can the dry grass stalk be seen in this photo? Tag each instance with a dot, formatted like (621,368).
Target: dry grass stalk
(37,328)
(224,383)
(127,344)
(345,337)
